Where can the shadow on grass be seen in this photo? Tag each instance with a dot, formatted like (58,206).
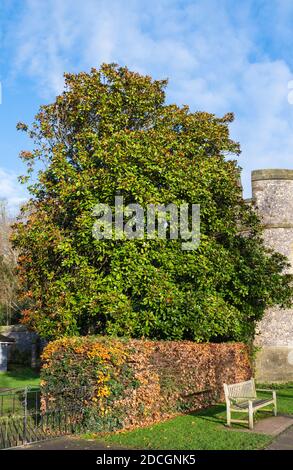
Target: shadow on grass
(217,415)
(18,377)
(22,373)
(212,411)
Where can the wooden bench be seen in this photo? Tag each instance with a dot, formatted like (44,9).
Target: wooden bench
(242,398)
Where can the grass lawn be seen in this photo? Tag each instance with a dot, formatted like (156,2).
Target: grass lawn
(284,396)
(204,430)
(19,377)
(198,431)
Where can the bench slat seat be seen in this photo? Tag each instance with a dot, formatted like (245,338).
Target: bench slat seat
(255,403)
(241,397)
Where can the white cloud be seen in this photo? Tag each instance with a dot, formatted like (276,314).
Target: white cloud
(11,191)
(211,51)
(265,126)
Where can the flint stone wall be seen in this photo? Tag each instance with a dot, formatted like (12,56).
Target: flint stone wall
(272,192)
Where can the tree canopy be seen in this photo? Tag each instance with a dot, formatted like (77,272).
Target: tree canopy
(112,133)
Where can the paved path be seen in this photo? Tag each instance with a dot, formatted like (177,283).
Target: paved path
(69,443)
(283,442)
(274,425)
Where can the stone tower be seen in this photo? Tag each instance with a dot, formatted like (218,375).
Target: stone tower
(272,191)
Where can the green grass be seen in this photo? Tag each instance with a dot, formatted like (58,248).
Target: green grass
(284,396)
(198,431)
(19,377)
(204,430)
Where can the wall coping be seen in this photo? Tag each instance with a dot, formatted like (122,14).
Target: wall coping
(271,174)
(11,328)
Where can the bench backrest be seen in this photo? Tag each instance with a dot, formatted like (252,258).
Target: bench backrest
(240,390)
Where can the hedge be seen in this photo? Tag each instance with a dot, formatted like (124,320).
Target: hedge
(128,383)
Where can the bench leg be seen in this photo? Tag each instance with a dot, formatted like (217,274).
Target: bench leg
(228,415)
(250,415)
(275,403)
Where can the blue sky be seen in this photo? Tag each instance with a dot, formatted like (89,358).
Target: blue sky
(219,56)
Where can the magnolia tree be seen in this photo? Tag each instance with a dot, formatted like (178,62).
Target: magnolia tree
(112,135)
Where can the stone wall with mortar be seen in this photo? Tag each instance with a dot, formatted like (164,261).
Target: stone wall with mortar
(272,192)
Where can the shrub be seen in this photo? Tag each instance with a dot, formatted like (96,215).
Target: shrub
(135,382)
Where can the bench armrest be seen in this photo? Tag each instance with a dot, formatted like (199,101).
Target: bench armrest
(273,392)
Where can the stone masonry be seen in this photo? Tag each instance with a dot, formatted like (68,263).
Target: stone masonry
(272,192)
(24,347)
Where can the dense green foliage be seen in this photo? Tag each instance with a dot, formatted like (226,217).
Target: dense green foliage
(111,133)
